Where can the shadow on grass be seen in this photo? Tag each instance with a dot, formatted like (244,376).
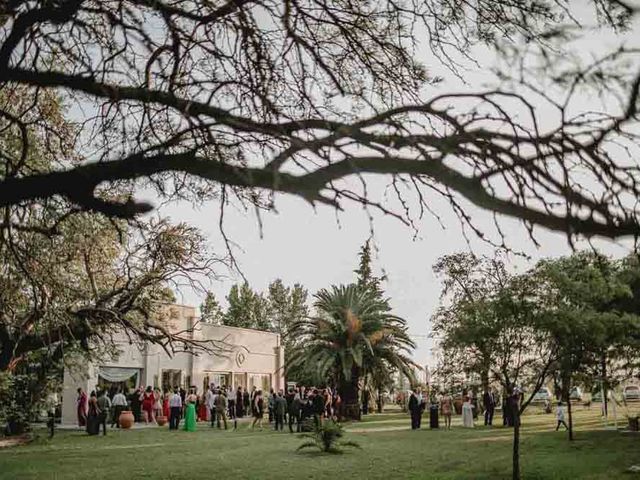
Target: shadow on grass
(319,453)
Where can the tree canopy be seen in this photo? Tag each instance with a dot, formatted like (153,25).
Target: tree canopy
(352,333)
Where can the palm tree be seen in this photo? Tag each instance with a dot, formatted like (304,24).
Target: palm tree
(353,332)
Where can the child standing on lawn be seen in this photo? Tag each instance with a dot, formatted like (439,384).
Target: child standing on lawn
(560,417)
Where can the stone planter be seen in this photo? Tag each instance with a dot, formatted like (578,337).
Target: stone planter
(161,420)
(126,419)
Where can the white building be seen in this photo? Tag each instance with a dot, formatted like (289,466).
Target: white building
(249,357)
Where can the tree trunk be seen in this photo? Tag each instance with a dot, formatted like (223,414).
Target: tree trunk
(603,364)
(484,379)
(566,396)
(349,394)
(516,447)
(570,418)
(380,406)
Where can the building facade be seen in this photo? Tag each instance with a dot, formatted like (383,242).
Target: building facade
(246,358)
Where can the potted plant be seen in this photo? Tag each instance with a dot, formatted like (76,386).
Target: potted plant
(161,420)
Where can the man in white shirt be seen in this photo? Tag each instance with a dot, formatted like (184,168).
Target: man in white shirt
(211,403)
(119,403)
(175,407)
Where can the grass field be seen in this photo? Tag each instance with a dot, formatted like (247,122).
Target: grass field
(389,451)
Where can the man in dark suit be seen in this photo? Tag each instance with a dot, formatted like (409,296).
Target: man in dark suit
(489,401)
(415,409)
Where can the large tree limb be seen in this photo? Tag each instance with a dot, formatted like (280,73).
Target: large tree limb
(78,184)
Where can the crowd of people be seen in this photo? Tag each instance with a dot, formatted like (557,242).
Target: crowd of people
(443,404)
(299,407)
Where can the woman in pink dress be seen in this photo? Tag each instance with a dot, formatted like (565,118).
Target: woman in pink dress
(165,404)
(148,402)
(81,407)
(202,409)
(157,402)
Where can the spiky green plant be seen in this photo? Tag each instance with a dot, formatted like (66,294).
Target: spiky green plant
(326,437)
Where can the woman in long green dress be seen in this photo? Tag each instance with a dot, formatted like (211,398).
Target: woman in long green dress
(190,413)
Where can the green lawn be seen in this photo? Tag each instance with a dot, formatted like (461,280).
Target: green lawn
(388,452)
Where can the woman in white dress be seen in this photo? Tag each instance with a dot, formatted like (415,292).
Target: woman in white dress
(467,413)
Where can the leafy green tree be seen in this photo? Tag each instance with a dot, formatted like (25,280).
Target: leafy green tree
(467,280)
(240,310)
(211,311)
(287,306)
(499,330)
(364,272)
(71,280)
(579,294)
(352,330)
(247,309)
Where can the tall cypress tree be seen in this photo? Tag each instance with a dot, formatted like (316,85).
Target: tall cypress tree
(364,273)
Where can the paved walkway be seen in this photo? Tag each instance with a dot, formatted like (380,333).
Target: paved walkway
(142,425)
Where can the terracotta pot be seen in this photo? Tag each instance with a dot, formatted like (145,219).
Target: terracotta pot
(126,419)
(161,420)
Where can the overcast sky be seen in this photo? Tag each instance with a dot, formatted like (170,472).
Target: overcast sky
(318,248)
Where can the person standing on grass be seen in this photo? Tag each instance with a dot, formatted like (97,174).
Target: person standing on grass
(365,401)
(165,403)
(318,407)
(252,396)
(279,410)
(104,404)
(190,411)
(231,402)
(175,409)
(119,403)
(203,409)
(221,407)
(136,404)
(467,413)
(297,411)
(257,409)
(272,404)
(157,402)
(148,403)
(473,400)
(337,405)
(560,417)
(247,402)
(489,402)
(81,408)
(210,400)
(93,414)
(415,409)
(240,410)
(446,404)
(328,402)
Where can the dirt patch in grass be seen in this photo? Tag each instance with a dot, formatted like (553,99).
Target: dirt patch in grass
(8,442)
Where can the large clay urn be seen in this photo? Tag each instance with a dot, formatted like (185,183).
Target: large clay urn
(126,419)
(161,420)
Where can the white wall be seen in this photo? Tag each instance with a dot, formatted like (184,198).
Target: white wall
(245,352)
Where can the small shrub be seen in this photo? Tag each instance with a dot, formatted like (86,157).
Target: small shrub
(327,438)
